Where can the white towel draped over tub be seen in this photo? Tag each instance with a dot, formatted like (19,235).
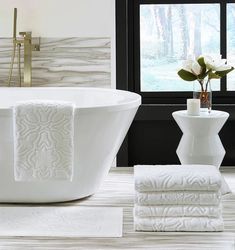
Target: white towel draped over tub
(43,140)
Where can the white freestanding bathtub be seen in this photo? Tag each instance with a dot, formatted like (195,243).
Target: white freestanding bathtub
(102,119)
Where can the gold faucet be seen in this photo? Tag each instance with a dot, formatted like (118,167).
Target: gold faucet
(26,41)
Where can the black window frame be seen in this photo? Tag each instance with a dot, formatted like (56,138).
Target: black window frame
(128,52)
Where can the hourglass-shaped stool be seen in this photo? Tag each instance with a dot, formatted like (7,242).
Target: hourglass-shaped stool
(200,143)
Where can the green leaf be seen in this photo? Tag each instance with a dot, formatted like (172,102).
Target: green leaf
(212,75)
(224,72)
(187,76)
(203,74)
(201,62)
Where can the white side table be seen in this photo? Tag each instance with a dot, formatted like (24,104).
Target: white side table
(200,143)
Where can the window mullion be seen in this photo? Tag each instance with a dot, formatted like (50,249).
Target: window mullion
(223,39)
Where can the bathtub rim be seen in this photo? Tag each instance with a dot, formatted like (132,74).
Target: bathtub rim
(125,104)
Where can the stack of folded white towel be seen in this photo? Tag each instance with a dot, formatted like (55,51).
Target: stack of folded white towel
(177,198)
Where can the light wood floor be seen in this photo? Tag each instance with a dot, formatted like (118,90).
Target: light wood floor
(117,191)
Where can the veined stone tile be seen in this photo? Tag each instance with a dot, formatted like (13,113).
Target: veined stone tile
(75,61)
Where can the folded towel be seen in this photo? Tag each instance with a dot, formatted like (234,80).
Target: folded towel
(177,211)
(43,140)
(171,224)
(176,177)
(178,197)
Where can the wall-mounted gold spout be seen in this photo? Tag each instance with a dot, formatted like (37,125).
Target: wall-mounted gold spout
(26,41)
(27,36)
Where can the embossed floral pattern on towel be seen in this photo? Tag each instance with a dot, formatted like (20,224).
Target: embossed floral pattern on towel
(176,198)
(174,177)
(43,140)
(178,211)
(177,224)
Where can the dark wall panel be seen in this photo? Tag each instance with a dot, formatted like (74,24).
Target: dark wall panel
(155,142)
(227,136)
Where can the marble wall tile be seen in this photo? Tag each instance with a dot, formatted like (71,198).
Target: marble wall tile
(63,62)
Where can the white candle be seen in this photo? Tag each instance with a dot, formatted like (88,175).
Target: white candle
(193,107)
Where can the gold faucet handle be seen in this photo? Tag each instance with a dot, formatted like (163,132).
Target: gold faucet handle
(36,42)
(35,47)
(26,34)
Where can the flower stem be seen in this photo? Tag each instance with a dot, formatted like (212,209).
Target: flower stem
(201,83)
(208,80)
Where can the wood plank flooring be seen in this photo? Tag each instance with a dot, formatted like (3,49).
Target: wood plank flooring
(118,191)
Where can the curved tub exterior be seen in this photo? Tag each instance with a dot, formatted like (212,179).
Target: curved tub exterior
(98,134)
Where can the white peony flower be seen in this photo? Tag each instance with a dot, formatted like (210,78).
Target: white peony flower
(223,67)
(216,63)
(204,67)
(192,66)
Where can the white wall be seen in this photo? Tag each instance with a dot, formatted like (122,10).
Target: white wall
(62,18)
(58,18)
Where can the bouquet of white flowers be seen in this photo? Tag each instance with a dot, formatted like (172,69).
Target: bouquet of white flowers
(203,69)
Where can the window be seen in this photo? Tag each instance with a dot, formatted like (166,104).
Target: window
(171,33)
(160,34)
